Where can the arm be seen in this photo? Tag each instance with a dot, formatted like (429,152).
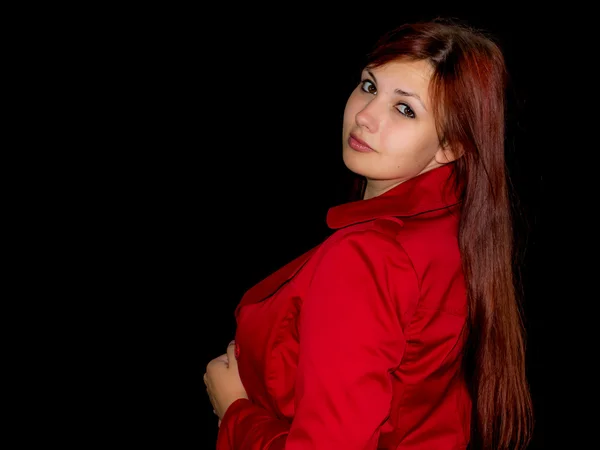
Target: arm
(350,340)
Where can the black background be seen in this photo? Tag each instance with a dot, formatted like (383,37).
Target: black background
(232,157)
(274,105)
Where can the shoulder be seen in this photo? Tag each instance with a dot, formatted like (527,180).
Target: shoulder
(362,263)
(365,243)
(365,233)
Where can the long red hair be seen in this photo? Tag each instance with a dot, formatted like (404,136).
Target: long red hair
(468,89)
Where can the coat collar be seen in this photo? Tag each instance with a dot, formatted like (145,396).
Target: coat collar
(423,193)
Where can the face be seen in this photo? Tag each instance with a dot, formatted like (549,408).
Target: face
(389,133)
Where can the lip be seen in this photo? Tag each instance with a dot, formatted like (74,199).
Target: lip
(358,145)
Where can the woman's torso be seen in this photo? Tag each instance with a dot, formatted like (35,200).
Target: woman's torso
(430,405)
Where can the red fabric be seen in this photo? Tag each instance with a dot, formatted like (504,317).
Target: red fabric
(358,343)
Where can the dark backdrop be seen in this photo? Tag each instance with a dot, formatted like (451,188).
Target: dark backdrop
(269,149)
(189,151)
(236,175)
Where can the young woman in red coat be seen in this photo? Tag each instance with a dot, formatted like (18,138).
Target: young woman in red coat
(402,329)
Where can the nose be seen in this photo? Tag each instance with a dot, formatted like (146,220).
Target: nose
(366,117)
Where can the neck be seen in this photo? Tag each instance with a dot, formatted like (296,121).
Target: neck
(375,188)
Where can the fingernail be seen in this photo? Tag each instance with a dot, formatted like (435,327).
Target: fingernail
(232,342)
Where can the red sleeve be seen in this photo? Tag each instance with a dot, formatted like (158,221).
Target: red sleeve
(350,340)
(246,426)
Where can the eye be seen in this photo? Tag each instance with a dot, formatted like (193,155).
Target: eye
(368,87)
(406,111)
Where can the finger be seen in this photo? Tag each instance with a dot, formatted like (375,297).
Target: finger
(223,358)
(231,353)
(217,363)
(212,402)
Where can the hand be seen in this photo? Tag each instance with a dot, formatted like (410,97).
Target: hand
(223,383)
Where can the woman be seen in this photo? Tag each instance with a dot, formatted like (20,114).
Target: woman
(402,329)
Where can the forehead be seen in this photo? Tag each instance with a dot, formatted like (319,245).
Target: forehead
(406,74)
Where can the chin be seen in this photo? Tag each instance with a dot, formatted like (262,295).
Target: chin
(352,161)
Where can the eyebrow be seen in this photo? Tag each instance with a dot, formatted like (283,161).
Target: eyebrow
(401,92)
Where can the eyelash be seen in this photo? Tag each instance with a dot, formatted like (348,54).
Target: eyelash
(410,115)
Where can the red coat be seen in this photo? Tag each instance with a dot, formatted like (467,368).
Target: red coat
(357,344)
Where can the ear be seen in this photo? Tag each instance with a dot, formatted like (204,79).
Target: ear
(446,154)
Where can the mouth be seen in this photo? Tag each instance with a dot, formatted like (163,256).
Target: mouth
(358,145)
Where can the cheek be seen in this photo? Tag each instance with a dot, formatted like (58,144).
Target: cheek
(409,140)
(348,119)
(397,141)
(352,108)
